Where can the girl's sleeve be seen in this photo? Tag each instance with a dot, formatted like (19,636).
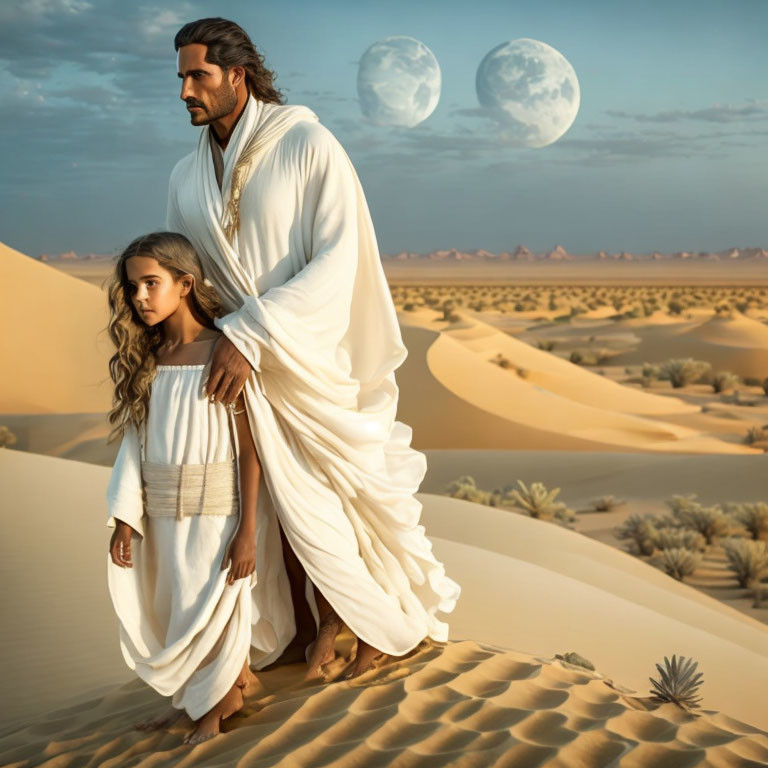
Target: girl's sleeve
(125,492)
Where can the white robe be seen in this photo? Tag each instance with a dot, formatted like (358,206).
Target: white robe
(182,628)
(310,309)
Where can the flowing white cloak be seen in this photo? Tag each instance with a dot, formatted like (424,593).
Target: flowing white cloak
(310,308)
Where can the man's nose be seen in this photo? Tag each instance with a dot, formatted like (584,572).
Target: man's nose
(186,91)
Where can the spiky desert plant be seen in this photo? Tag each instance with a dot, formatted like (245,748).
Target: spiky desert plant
(678,684)
(709,521)
(753,516)
(538,502)
(673,538)
(605,503)
(639,530)
(747,559)
(683,371)
(677,562)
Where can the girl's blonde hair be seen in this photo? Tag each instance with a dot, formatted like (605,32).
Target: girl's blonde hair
(132,367)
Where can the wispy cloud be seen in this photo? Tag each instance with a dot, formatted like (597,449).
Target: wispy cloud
(717,113)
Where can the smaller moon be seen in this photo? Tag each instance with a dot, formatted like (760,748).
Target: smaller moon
(531,89)
(398,81)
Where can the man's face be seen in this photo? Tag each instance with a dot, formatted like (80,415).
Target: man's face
(205,87)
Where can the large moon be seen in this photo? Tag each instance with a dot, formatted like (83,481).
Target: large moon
(398,81)
(531,89)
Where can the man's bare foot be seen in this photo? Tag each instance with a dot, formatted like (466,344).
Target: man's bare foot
(321,650)
(209,725)
(365,659)
(166,717)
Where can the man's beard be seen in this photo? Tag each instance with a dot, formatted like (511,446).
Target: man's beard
(223,103)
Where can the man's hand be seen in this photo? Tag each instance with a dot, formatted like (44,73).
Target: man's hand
(229,370)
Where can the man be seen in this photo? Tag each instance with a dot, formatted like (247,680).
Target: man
(275,209)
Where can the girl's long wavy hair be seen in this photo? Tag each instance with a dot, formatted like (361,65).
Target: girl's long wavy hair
(132,367)
(229,46)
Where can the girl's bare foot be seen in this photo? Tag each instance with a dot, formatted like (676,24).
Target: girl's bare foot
(365,659)
(321,650)
(209,725)
(166,717)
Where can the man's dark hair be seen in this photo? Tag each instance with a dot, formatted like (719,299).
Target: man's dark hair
(229,46)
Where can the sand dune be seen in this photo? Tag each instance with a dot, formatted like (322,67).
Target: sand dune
(495,692)
(737,345)
(55,352)
(454,397)
(465,703)
(736,331)
(591,592)
(563,377)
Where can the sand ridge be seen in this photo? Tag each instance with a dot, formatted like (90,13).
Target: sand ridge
(461,703)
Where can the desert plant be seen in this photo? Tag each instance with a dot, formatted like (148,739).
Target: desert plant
(639,530)
(605,503)
(684,371)
(584,357)
(7,437)
(500,360)
(678,684)
(651,370)
(540,503)
(756,435)
(765,385)
(677,562)
(465,488)
(571,657)
(747,559)
(677,538)
(546,344)
(752,515)
(709,521)
(675,307)
(722,381)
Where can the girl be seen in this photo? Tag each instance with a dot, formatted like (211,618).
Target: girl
(183,491)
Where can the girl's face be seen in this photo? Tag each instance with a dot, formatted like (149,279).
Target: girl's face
(153,290)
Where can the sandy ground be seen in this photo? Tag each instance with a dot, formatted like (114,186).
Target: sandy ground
(483,399)
(464,701)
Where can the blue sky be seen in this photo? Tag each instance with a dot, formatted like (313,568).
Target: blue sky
(667,152)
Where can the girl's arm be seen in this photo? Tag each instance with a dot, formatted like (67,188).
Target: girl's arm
(250,470)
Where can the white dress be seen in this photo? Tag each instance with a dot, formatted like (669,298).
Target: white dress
(183,629)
